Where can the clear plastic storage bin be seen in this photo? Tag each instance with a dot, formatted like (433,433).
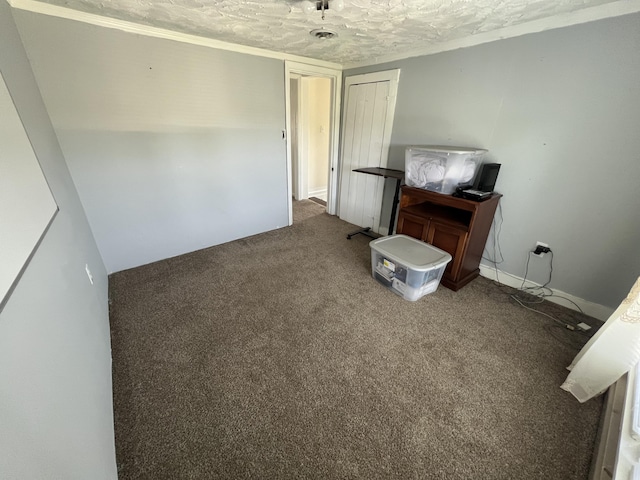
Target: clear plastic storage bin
(408,267)
(441,169)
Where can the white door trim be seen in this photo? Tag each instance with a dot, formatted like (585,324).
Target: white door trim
(294,133)
(302,180)
(393,77)
(293,68)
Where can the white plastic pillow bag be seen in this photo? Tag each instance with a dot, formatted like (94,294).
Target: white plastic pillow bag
(610,353)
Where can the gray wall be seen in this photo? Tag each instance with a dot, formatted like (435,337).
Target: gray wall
(560,110)
(55,362)
(173,147)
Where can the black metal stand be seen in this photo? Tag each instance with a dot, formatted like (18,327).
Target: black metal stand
(364,231)
(386,173)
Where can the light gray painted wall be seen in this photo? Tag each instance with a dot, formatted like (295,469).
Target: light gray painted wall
(173,147)
(55,362)
(560,110)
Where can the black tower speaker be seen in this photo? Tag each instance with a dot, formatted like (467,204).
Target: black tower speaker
(487,177)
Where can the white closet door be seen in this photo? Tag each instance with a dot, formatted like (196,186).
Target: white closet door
(368,117)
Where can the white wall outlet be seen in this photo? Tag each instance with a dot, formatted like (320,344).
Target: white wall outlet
(540,244)
(86,268)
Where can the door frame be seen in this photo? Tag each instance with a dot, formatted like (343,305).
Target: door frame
(302,162)
(335,75)
(293,132)
(393,77)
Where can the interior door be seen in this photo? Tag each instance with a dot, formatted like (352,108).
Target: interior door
(366,134)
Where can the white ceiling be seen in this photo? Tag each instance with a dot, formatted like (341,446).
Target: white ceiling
(369,31)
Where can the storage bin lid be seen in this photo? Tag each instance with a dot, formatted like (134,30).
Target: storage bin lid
(410,252)
(448,150)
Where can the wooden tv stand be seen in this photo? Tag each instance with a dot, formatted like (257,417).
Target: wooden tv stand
(455,225)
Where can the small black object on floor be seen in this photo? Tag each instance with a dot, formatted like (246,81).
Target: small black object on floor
(363,231)
(319,201)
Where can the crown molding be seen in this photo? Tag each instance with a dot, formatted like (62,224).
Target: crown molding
(145,30)
(608,10)
(614,9)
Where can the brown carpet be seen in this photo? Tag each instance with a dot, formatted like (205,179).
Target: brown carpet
(278,356)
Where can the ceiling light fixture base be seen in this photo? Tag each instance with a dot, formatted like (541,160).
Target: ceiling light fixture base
(323,33)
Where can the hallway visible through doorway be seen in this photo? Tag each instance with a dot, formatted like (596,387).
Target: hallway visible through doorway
(313,97)
(310,136)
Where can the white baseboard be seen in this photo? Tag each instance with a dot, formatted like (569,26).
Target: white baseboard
(320,193)
(589,308)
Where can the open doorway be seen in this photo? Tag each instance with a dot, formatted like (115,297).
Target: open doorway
(312,109)
(310,137)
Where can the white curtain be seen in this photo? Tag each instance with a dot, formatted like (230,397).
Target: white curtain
(610,353)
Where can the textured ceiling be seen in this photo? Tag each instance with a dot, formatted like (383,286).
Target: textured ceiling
(367,29)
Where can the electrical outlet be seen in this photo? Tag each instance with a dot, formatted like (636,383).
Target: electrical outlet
(540,249)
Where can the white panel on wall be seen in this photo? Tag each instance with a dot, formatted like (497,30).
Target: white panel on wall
(26,203)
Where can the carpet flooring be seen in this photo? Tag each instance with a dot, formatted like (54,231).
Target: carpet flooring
(278,356)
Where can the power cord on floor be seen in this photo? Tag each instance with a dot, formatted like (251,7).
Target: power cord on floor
(559,333)
(537,291)
(567,325)
(540,293)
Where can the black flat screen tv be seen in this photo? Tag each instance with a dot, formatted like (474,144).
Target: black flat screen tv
(486,179)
